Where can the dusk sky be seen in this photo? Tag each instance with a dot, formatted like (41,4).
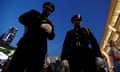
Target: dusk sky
(93,12)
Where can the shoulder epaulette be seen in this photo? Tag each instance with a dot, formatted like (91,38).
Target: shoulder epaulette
(87,30)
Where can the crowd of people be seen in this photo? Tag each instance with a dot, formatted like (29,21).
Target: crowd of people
(56,66)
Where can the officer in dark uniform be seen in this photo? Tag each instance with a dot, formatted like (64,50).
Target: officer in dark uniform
(32,47)
(80,48)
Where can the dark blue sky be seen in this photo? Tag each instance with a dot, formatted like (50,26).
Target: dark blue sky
(94,13)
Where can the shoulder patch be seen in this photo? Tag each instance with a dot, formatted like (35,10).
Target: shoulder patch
(87,30)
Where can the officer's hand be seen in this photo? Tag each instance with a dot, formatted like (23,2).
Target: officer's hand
(65,63)
(47,27)
(99,61)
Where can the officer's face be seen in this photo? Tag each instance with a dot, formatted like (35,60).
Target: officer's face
(47,11)
(77,22)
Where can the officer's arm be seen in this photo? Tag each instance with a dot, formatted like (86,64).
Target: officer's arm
(51,35)
(94,44)
(65,49)
(30,18)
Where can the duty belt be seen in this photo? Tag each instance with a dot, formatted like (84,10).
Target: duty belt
(78,44)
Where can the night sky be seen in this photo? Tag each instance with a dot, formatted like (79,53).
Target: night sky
(93,12)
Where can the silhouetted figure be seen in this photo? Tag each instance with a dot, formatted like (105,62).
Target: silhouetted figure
(115,56)
(57,65)
(80,48)
(48,66)
(65,66)
(32,47)
(102,64)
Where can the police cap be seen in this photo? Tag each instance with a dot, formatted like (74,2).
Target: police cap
(49,5)
(76,17)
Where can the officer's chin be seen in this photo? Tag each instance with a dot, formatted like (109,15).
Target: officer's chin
(47,14)
(77,25)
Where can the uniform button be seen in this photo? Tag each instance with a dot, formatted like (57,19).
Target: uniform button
(76,34)
(77,37)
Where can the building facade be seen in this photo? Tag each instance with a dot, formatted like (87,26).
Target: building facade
(112,29)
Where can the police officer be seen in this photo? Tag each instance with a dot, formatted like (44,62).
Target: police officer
(77,48)
(32,47)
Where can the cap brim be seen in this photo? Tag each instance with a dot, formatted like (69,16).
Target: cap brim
(48,7)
